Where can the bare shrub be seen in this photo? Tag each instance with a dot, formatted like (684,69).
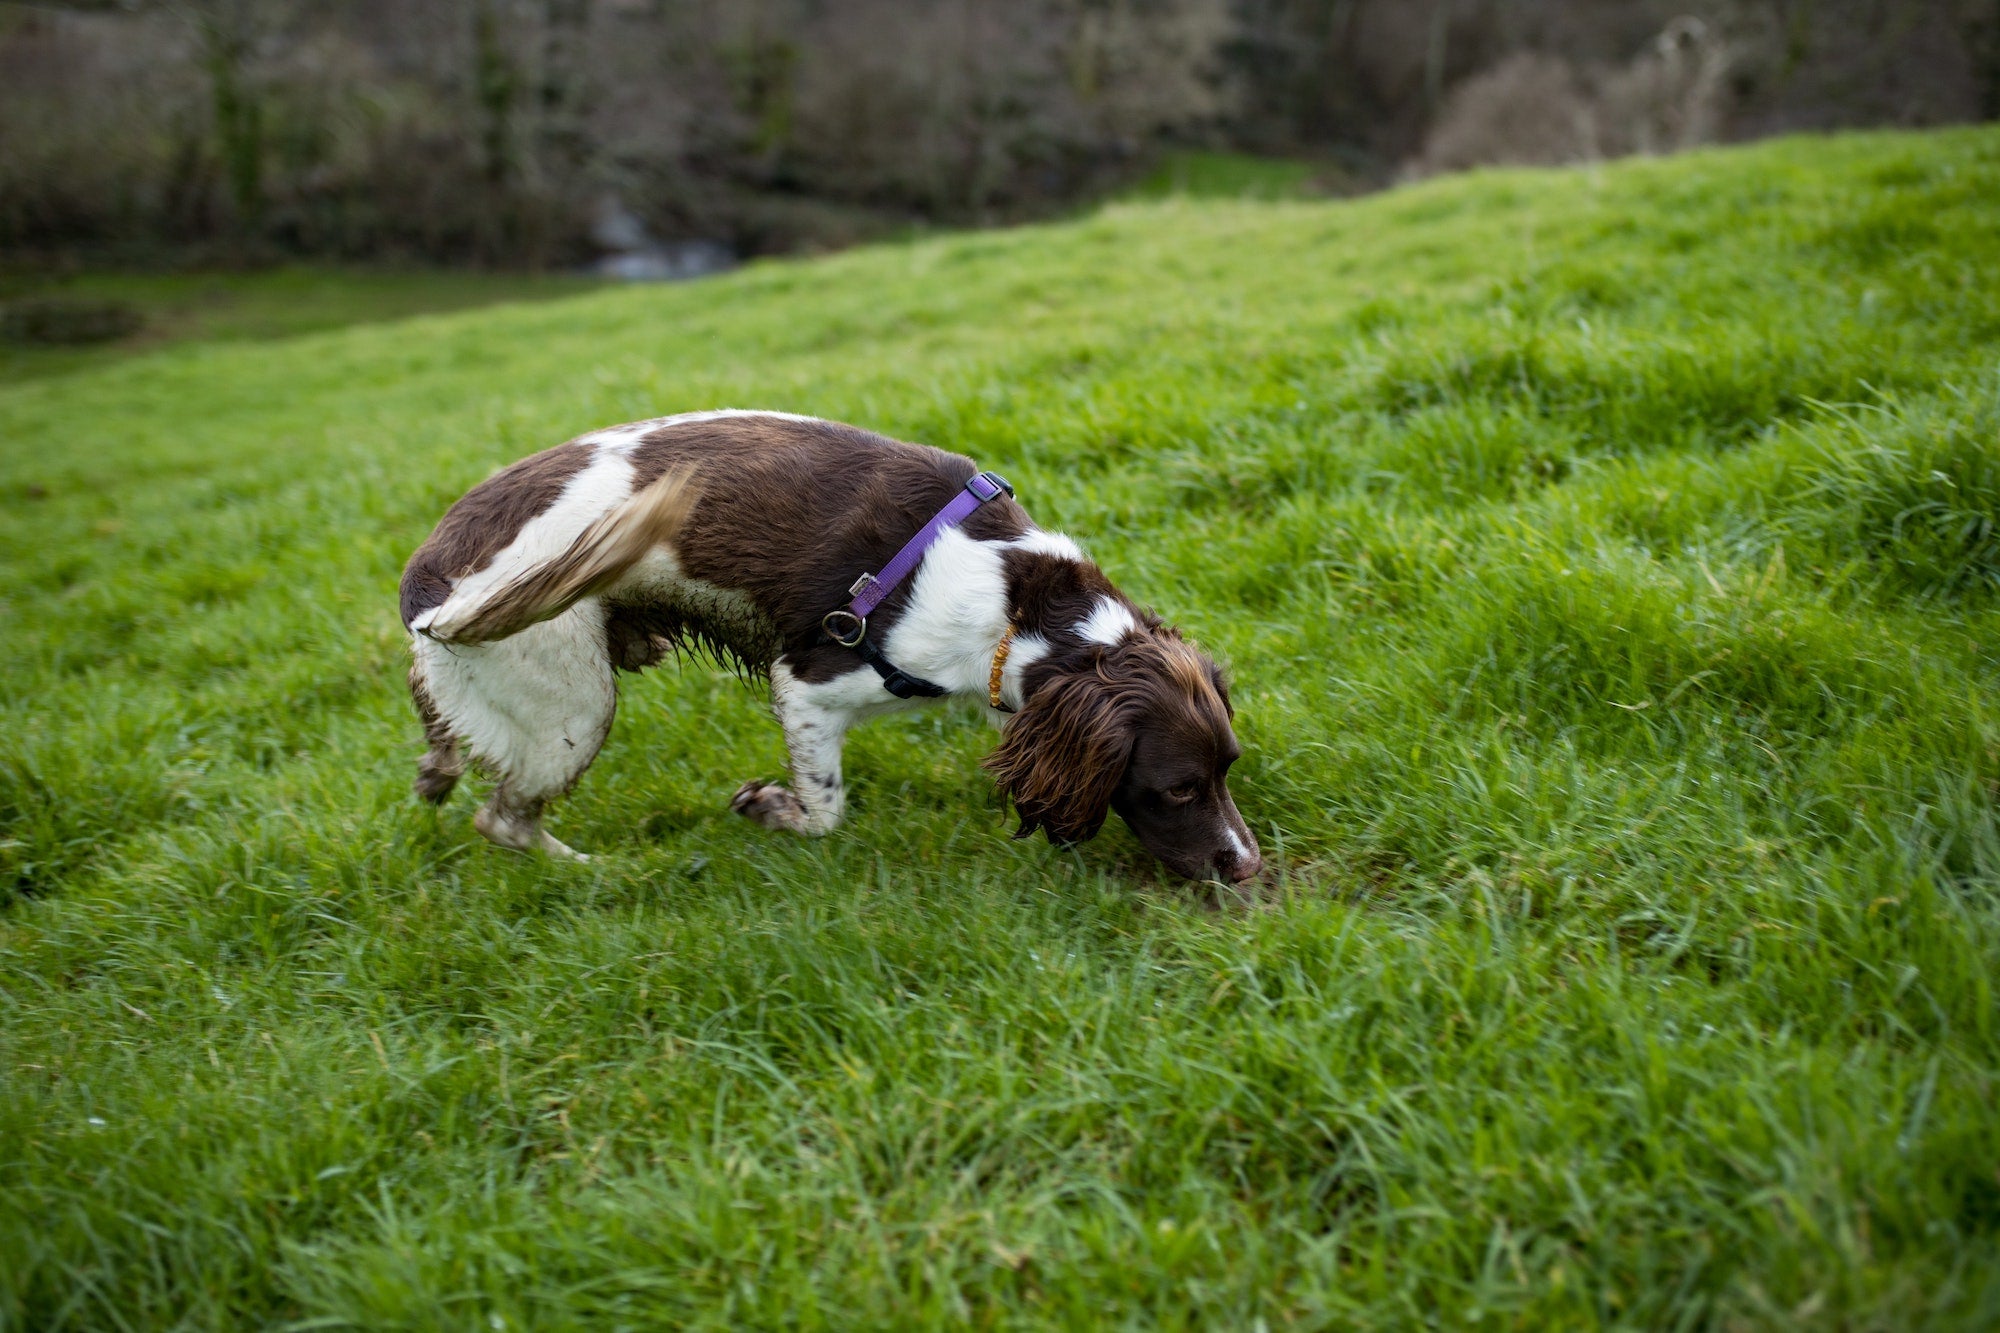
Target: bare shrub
(1668,99)
(1530,109)
(1374,75)
(103,122)
(963,109)
(1537,109)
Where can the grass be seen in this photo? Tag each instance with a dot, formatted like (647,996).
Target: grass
(1194,174)
(254,306)
(1607,563)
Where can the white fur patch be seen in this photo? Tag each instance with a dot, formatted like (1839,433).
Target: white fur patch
(956,613)
(1108,623)
(950,627)
(1028,649)
(813,735)
(534,706)
(622,439)
(1048,543)
(618,439)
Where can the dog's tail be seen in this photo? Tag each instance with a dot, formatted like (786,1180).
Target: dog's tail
(612,544)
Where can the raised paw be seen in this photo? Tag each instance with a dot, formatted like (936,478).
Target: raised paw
(772,806)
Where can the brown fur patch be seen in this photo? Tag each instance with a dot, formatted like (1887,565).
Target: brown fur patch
(485,521)
(790,513)
(1187,669)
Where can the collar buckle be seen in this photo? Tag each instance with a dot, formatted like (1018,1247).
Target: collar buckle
(851,628)
(987,486)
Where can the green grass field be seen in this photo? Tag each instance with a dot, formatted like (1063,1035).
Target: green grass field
(1608,563)
(249,306)
(1202,175)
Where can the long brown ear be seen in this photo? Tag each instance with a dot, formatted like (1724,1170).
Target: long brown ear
(1063,754)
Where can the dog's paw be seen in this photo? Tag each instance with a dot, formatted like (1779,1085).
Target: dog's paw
(771,805)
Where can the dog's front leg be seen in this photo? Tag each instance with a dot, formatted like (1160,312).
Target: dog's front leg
(813,733)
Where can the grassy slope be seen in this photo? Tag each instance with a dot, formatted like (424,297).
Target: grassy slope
(1608,565)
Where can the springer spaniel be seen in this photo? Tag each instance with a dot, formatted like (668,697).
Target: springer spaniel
(742,534)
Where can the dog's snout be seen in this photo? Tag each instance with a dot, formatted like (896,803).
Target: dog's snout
(1238,867)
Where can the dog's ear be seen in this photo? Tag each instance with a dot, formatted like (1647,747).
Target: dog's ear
(1062,756)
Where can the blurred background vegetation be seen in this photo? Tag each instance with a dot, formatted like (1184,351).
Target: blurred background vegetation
(671,137)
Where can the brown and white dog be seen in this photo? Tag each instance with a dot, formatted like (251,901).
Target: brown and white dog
(735,533)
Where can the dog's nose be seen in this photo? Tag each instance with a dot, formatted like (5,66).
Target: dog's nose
(1238,868)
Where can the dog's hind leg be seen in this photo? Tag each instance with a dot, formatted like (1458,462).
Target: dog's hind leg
(438,770)
(509,819)
(533,709)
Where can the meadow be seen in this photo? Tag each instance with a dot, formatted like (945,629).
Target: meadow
(1608,566)
(247,305)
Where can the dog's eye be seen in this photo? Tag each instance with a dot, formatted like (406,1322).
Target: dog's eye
(1182,794)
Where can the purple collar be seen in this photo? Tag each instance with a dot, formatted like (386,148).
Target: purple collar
(848,626)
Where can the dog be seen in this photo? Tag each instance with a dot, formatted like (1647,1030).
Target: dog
(859,574)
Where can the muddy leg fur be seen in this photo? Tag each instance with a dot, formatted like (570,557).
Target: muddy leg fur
(439,770)
(510,820)
(531,709)
(813,734)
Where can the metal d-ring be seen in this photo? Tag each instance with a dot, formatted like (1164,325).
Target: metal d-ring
(846,639)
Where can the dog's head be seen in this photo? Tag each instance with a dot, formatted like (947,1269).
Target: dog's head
(1140,727)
